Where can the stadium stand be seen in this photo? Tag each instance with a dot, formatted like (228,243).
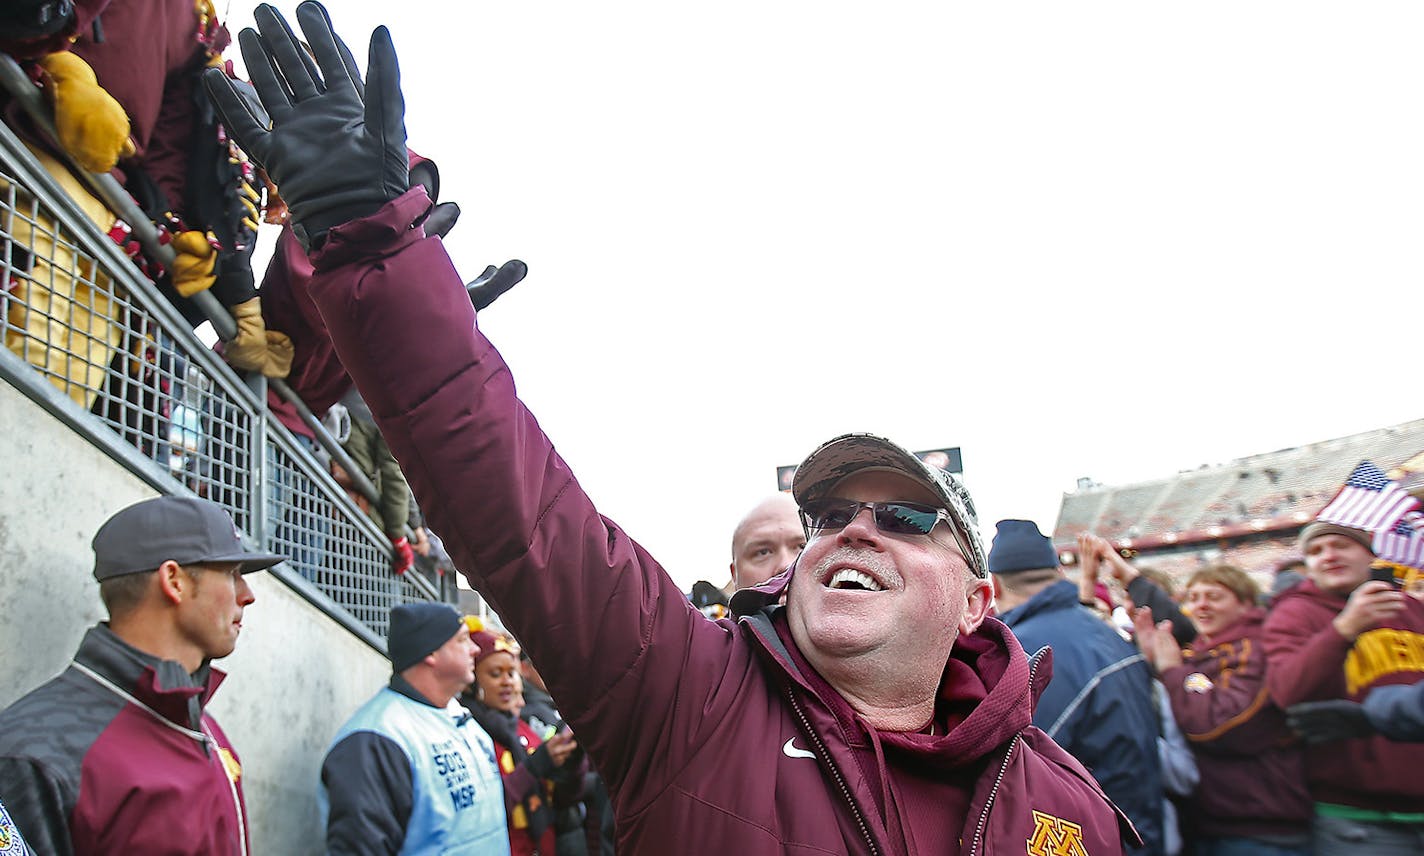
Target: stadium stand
(1245,512)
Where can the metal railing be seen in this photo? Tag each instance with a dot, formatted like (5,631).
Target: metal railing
(92,340)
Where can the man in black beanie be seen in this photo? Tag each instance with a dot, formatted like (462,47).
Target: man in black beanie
(1099,703)
(411,770)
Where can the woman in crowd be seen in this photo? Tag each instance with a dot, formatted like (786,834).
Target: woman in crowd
(538,770)
(1252,797)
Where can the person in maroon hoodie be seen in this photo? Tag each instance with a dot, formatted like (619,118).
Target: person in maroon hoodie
(879,712)
(1252,797)
(1339,635)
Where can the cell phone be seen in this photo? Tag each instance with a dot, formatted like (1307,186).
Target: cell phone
(1384,575)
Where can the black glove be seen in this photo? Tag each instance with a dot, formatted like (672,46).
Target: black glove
(24,20)
(335,150)
(1324,721)
(492,283)
(539,762)
(441,219)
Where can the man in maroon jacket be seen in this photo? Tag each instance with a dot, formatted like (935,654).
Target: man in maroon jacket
(1339,635)
(117,754)
(879,712)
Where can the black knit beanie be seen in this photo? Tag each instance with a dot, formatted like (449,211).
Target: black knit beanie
(417,629)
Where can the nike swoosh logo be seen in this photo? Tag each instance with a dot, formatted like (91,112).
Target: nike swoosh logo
(790,750)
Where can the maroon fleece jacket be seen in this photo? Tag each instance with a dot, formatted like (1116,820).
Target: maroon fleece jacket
(1307,660)
(1252,769)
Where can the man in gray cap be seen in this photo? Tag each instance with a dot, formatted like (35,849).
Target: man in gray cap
(411,771)
(117,754)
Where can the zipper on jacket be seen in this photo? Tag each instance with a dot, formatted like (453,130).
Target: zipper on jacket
(993,792)
(203,738)
(825,756)
(232,788)
(1003,768)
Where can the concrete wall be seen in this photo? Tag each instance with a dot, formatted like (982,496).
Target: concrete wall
(293,680)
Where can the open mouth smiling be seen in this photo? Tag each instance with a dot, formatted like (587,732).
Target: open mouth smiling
(850,579)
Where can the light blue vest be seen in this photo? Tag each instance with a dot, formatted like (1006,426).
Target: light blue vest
(458,804)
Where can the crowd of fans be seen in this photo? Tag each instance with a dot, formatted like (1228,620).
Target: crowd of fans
(1211,719)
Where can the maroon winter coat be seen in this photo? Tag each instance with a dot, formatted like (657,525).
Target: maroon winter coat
(1252,769)
(317,375)
(1309,661)
(710,736)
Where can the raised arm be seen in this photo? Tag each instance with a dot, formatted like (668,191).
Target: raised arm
(634,667)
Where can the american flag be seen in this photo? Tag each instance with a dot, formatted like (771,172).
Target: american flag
(1403,543)
(1368,501)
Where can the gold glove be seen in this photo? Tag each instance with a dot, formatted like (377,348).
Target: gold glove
(92,126)
(193,263)
(256,348)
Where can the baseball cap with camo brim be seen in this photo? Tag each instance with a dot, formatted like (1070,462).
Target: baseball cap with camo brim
(188,530)
(848,454)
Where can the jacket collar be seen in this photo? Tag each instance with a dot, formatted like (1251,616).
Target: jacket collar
(163,685)
(401,685)
(986,695)
(1054,598)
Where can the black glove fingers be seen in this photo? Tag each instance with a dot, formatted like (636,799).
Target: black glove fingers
(250,132)
(270,88)
(385,105)
(442,219)
(332,55)
(510,274)
(292,60)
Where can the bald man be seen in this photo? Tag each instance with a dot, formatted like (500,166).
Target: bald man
(768,539)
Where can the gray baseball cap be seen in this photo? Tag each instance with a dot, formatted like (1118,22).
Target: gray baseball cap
(188,530)
(848,454)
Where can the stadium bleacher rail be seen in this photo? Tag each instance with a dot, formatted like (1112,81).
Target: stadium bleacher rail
(91,340)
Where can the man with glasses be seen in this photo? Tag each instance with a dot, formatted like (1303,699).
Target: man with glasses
(117,754)
(878,712)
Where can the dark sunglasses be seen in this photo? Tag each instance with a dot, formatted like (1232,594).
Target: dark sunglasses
(897,518)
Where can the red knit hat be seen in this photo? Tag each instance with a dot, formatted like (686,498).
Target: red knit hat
(490,641)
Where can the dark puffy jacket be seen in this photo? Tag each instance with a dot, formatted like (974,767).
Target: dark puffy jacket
(1099,704)
(710,738)
(1252,769)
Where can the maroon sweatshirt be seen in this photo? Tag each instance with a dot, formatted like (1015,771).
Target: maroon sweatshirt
(1252,769)
(1309,661)
(711,737)
(118,755)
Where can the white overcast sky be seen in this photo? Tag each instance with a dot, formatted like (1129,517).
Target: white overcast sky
(1113,240)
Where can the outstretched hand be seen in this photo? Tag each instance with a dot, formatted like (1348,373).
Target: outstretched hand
(335,146)
(1324,721)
